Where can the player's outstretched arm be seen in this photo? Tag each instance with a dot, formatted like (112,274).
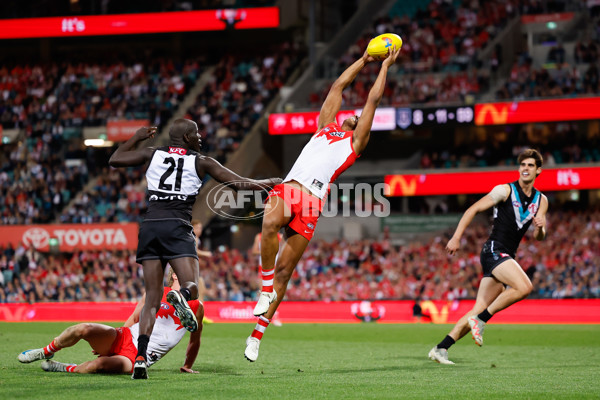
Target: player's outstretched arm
(333,102)
(539,221)
(208,165)
(127,156)
(194,344)
(498,194)
(363,128)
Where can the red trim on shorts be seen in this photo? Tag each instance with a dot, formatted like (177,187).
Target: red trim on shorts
(123,345)
(305,213)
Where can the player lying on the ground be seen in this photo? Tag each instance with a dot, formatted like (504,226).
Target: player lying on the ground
(116,347)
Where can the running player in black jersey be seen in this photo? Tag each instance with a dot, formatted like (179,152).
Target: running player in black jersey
(516,206)
(174,176)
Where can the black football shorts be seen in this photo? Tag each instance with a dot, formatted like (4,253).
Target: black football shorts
(165,239)
(493,254)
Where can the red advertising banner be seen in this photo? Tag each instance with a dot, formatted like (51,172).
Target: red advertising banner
(551,179)
(124,24)
(306,122)
(71,237)
(520,112)
(122,130)
(543,18)
(439,312)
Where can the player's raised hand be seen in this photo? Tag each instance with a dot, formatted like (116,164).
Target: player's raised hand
(452,246)
(392,56)
(367,58)
(146,132)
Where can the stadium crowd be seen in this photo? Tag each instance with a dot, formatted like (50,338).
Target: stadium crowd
(558,79)
(565,265)
(35,182)
(88,94)
(239,89)
(441,42)
(41,173)
(40,176)
(439,59)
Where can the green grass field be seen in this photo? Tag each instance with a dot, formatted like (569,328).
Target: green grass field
(310,361)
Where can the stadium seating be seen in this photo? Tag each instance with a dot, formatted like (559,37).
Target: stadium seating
(438,62)
(75,96)
(239,90)
(554,80)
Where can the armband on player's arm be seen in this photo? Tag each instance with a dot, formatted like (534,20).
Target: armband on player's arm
(498,194)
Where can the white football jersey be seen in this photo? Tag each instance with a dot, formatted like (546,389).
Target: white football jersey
(167,331)
(328,153)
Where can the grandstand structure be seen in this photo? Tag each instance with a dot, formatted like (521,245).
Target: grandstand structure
(450,109)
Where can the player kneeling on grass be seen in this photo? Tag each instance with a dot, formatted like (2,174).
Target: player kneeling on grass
(516,206)
(116,347)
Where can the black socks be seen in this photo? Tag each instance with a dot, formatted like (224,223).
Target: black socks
(485,315)
(446,343)
(143,345)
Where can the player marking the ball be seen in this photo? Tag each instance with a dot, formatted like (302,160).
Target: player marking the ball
(296,204)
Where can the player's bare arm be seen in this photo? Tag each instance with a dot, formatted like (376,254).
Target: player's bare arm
(194,345)
(333,102)
(204,253)
(539,220)
(135,315)
(362,132)
(127,156)
(498,194)
(208,165)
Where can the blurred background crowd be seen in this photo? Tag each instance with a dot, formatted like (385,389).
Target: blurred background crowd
(565,265)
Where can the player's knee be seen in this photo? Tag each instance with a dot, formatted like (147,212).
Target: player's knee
(83,330)
(270,226)
(191,290)
(524,289)
(527,289)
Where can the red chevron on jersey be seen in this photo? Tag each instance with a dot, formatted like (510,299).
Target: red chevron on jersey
(328,153)
(333,135)
(167,310)
(167,330)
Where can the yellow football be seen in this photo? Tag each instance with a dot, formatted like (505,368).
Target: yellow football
(380,46)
